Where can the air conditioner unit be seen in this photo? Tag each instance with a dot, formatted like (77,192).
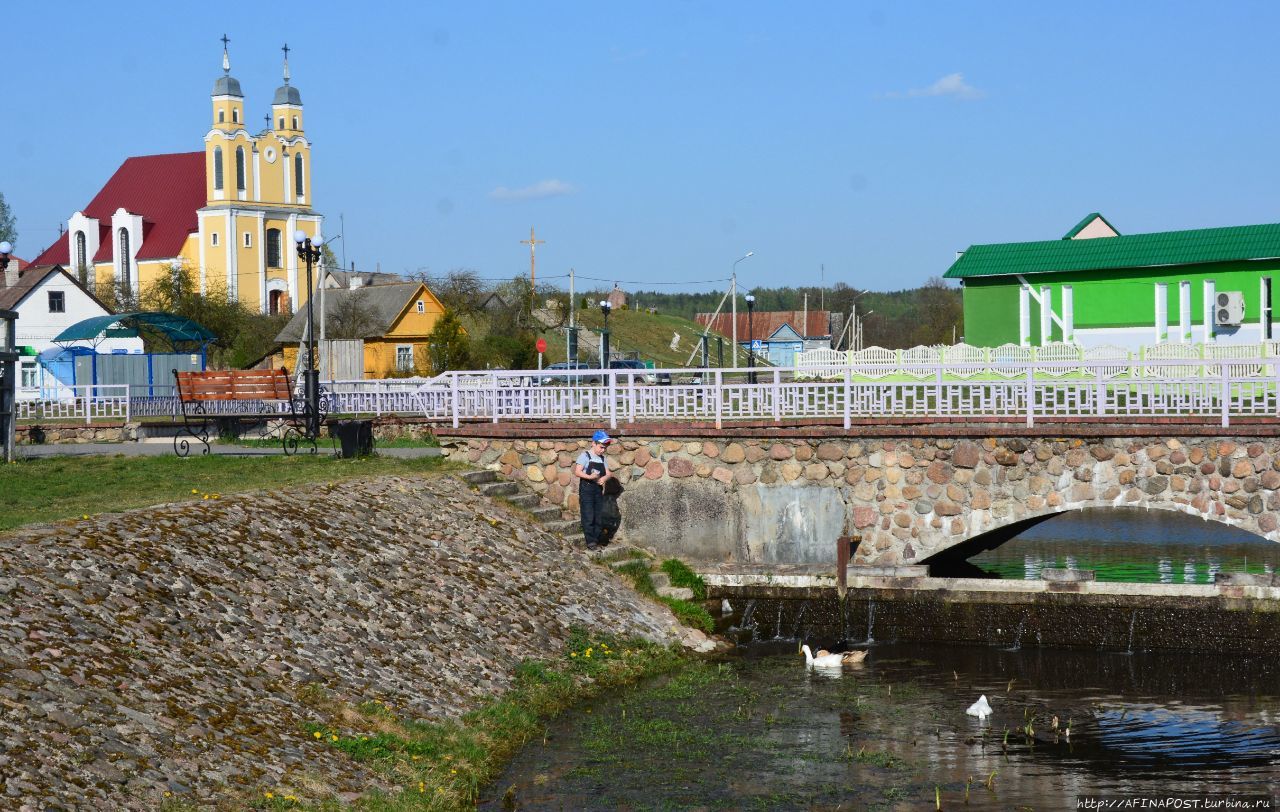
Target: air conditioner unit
(1228,310)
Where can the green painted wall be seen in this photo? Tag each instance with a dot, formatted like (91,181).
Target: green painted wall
(1116,298)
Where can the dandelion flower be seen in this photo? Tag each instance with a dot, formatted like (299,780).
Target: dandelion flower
(269,795)
(334,737)
(453,772)
(195,490)
(316,734)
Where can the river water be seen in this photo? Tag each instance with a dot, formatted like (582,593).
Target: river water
(1132,545)
(759,730)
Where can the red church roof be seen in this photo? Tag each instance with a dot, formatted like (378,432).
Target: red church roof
(165,189)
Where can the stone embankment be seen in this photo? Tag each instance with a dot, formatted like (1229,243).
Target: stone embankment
(785,501)
(166,652)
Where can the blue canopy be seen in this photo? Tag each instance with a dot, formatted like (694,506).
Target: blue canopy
(126,325)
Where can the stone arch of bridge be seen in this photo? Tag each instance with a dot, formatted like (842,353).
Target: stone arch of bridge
(953,558)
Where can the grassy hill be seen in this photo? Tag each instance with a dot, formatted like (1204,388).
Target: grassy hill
(636,331)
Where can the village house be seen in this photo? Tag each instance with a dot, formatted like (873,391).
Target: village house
(1097,286)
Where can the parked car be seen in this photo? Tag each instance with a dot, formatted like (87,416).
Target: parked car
(631,364)
(568,372)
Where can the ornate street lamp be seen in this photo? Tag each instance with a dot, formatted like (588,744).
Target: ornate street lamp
(751,338)
(605,308)
(311,381)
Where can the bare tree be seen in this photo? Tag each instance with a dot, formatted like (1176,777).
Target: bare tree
(352,316)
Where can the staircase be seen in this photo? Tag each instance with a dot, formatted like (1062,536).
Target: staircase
(660,580)
(550,516)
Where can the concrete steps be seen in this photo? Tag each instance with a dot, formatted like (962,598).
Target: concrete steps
(550,517)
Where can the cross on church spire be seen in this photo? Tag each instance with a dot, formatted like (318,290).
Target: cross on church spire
(286,62)
(226,59)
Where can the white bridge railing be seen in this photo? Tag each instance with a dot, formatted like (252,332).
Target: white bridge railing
(1055,360)
(1022,389)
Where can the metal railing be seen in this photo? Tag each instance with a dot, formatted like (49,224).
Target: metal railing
(87,403)
(1024,390)
(1059,360)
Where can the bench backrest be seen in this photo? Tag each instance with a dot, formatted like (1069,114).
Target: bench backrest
(235,384)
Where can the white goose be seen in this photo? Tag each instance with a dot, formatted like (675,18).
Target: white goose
(823,660)
(980,709)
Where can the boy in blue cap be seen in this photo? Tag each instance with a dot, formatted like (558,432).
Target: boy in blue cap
(592,472)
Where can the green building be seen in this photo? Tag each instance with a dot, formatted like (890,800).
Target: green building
(1096,286)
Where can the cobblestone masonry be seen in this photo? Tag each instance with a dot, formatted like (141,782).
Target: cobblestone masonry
(786,500)
(163,650)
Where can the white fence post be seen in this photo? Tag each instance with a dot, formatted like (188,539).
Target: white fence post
(1100,394)
(1226,396)
(848,398)
(453,396)
(128,403)
(493,398)
(718,394)
(1031,394)
(777,395)
(613,399)
(631,398)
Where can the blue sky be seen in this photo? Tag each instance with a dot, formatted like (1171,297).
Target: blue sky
(658,144)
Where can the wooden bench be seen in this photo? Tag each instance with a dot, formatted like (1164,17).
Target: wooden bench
(239,394)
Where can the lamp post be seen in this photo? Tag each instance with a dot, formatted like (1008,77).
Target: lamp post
(6,248)
(605,308)
(733,295)
(751,338)
(310,253)
(865,316)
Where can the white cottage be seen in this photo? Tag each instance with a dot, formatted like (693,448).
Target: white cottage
(48,300)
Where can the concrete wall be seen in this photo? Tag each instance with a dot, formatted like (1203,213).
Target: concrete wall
(786,501)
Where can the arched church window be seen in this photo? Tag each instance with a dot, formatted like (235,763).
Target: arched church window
(297,175)
(240,168)
(235,115)
(82,258)
(222,116)
(217,168)
(126,271)
(295,122)
(273,248)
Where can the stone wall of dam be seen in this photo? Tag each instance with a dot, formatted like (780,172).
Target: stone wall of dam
(786,500)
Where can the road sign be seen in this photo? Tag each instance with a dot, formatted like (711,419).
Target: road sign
(757,345)
(541,345)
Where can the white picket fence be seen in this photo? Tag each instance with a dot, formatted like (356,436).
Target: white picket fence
(1055,360)
(1005,385)
(87,403)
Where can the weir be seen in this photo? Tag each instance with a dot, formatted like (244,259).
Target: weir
(1236,616)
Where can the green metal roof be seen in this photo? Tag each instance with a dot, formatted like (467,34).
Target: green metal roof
(173,326)
(1088,218)
(1126,251)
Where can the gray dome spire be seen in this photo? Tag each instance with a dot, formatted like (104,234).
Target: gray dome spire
(226,84)
(286,94)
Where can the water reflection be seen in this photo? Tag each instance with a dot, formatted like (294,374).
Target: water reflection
(762,731)
(1132,545)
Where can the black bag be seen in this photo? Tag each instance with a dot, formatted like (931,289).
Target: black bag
(610,515)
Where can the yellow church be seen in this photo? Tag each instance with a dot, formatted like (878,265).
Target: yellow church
(227,215)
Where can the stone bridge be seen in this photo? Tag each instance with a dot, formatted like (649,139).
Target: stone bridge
(915,494)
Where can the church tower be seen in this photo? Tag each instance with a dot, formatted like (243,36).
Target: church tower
(258,194)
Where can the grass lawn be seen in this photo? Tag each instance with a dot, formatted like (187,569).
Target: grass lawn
(48,489)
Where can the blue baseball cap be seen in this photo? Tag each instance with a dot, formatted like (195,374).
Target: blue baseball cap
(601,436)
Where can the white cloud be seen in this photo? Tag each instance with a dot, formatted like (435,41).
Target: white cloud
(953,84)
(536,191)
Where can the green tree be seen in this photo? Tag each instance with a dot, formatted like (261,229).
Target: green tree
(8,223)
(448,347)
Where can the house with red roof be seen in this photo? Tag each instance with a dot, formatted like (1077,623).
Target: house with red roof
(777,335)
(224,216)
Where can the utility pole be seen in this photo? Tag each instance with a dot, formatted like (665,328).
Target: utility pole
(533,243)
(733,294)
